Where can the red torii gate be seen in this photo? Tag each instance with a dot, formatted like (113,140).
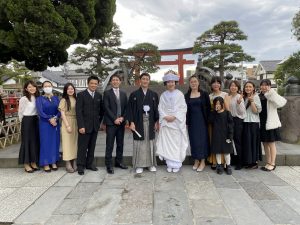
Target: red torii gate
(180,61)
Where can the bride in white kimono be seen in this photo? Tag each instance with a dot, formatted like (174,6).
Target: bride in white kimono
(172,141)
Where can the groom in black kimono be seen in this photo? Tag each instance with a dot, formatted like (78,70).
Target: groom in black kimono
(143,102)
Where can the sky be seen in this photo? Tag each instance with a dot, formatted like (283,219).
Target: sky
(172,24)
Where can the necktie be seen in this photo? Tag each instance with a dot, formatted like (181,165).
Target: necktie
(117,93)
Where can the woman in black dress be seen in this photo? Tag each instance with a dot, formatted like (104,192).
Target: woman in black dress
(198,109)
(269,122)
(30,145)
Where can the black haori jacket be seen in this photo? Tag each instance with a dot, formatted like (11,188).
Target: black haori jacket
(135,111)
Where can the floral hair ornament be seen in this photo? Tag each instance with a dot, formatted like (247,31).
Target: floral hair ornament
(170,75)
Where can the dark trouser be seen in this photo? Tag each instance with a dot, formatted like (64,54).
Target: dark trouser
(86,149)
(114,132)
(237,137)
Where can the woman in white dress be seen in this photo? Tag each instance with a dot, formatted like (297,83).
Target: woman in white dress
(172,141)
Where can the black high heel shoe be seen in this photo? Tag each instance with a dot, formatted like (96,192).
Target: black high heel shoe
(264,168)
(29,171)
(54,168)
(269,170)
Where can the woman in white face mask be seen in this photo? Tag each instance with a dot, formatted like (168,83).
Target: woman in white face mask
(47,107)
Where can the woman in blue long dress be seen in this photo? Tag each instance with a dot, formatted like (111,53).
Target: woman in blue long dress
(47,107)
(198,109)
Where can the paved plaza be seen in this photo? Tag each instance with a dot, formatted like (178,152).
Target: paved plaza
(247,197)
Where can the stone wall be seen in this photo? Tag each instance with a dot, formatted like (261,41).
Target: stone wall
(290,119)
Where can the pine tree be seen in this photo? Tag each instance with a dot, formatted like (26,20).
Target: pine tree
(218,48)
(40,31)
(100,53)
(143,57)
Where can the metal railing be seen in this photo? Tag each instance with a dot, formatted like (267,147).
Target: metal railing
(10,132)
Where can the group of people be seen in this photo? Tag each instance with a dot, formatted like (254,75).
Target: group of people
(237,124)
(215,125)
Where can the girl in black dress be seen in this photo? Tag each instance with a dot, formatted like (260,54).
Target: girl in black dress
(222,134)
(269,122)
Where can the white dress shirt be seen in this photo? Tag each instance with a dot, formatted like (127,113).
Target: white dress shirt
(26,107)
(92,93)
(117,92)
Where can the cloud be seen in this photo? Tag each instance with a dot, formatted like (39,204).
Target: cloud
(171,24)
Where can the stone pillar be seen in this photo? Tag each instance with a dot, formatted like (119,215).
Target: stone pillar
(290,119)
(293,87)
(228,79)
(289,114)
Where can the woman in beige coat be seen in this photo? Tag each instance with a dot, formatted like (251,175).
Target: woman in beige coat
(269,122)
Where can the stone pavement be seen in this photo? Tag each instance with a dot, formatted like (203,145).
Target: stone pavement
(287,154)
(245,198)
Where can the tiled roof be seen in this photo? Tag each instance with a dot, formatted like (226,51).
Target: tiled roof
(269,65)
(55,76)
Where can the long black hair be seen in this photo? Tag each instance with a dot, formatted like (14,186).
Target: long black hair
(246,95)
(237,84)
(190,89)
(66,96)
(26,93)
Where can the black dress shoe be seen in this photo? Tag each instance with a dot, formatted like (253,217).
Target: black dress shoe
(93,168)
(81,172)
(238,167)
(110,170)
(122,166)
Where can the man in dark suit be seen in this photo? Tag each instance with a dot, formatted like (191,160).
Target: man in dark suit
(115,102)
(89,113)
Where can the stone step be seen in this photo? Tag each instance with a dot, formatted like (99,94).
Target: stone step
(287,154)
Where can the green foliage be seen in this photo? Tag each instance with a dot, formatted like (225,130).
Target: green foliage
(281,90)
(15,70)
(143,57)
(155,82)
(296,25)
(39,31)
(290,67)
(218,49)
(279,75)
(101,53)
(104,12)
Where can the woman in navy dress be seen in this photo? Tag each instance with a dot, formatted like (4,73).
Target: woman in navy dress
(198,109)
(47,107)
